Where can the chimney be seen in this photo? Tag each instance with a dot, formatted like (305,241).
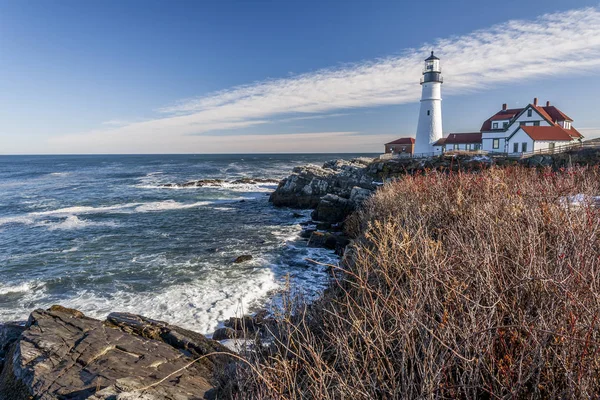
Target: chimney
(504,107)
(535,101)
(548,103)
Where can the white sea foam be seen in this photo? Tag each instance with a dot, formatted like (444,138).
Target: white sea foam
(169,205)
(70,212)
(22,287)
(73,222)
(199,306)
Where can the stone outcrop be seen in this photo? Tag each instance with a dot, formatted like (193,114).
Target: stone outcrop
(327,188)
(220,182)
(338,187)
(62,354)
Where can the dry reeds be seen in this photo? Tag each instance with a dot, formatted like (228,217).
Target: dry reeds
(458,286)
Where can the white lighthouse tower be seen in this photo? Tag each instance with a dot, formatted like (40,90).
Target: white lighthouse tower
(429,129)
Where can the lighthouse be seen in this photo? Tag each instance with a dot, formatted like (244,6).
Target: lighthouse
(429,128)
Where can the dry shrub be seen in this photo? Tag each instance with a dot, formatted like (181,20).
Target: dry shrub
(459,286)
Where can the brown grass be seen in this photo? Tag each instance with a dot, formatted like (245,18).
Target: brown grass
(458,286)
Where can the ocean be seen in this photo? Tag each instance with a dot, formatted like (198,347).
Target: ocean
(120,233)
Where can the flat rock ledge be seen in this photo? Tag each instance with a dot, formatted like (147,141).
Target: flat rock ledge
(62,354)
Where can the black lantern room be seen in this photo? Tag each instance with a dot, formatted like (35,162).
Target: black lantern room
(432,71)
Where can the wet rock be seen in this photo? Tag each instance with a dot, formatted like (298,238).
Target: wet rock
(243,258)
(328,240)
(254,181)
(333,208)
(306,233)
(324,226)
(246,323)
(226,333)
(9,333)
(63,354)
(297,215)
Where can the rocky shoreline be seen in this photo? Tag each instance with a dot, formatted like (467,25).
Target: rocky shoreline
(60,353)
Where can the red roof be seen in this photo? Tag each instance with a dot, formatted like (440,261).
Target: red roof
(463,138)
(550,113)
(404,140)
(542,112)
(574,133)
(547,133)
(500,115)
(440,142)
(556,114)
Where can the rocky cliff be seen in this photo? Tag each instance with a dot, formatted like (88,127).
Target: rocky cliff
(335,189)
(62,354)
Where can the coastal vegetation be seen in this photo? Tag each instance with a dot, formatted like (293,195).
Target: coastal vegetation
(457,285)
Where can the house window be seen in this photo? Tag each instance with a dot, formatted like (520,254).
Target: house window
(495,125)
(536,123)
(516,148)
(428,112)
(551,147)
(522,123)
(455,147)
(529,112)
(403,149)
(505,125)
(524,147)
(496,144)
(477,146)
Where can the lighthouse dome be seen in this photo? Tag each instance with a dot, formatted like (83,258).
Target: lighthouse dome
(432,72)
(431,57)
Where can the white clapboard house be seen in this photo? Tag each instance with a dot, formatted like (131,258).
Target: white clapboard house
(517,131)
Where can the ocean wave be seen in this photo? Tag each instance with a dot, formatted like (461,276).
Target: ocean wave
(199,306)
(73,222)
(169,205)
(22,287)
(127,208)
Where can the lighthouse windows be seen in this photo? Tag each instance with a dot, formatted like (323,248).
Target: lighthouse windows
(428,112)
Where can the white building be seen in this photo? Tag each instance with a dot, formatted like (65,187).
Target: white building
(429,128)
(514,131)
(518,131)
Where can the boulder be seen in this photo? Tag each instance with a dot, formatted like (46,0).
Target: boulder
(243,258)
(333,241)
(9,333)
(62,354)
(305,187)
(358,196)
(332,208)
(226,333)
(306,233)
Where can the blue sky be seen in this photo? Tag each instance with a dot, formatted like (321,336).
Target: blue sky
(279,76)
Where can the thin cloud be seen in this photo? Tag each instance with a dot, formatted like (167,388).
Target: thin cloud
(552,44)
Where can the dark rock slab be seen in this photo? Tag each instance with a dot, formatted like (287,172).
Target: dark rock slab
(243,258)
(9,333)
(332,208)
(64,355)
